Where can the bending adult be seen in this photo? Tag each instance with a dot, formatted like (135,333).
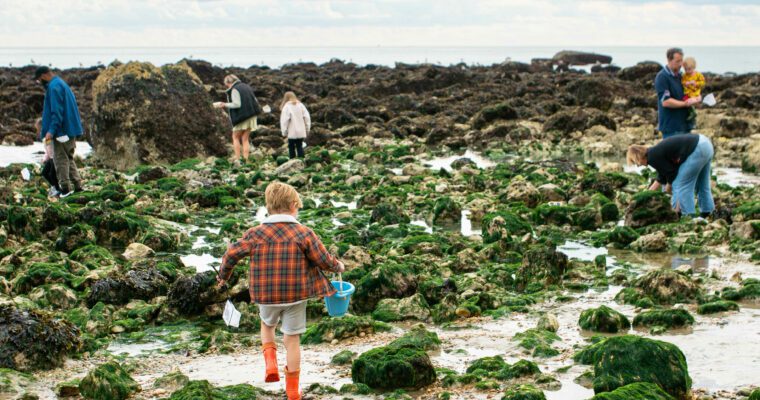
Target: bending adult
(683,165)
(295,123)
(61,125)
(243,108)
(672,112)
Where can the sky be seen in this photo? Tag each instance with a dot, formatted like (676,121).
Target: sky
(191,23)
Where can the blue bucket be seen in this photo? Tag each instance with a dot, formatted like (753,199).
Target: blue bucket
(337,304)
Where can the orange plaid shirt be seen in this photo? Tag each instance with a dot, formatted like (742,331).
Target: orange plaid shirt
(286,263)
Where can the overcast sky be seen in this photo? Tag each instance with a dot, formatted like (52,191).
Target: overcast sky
(26,23)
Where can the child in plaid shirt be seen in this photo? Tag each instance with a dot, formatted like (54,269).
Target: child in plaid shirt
(286,264)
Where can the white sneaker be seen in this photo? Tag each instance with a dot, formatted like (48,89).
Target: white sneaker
(53,192)
(64,195)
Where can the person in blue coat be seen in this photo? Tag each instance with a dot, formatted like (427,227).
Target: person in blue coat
(61,126)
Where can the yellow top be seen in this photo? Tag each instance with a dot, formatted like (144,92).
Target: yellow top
(693,84)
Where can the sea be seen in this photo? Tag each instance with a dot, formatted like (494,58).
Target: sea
(716,59)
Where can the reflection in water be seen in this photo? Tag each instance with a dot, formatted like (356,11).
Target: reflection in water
(445,162)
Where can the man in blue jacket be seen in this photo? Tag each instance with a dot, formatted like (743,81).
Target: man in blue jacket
(672,110)
(61,125)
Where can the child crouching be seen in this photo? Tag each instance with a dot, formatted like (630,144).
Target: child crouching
(286,264)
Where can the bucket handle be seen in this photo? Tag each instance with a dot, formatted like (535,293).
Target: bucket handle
(340,281)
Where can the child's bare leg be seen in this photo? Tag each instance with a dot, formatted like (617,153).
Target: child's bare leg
(293,348)
(267,333)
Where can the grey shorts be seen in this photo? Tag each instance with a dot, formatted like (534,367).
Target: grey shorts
(293,317)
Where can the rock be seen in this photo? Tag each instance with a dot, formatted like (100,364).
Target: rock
(141,110)
(143,283)
(551,192)
(523,392)
(401,364)
(622,360)
(386,281)
(343,358)
(646,70)
(652,242)
(446,210)
(745,230)
(751,160)
(569,57)
(414,170)
(329,329)
(290,167)
(734,128)
(413,307)
(578,119)
(203,390)
(388,214)
(190,295)
(501,111)
(593,92)
(539,341)
(136,251)
(73,237)
(647,208)
(502,225)
(548,322)
(717,306)
(356,257)
(603,319)
(33,340)
(108,381)
(56,296)
(666,286)
(635,391)
(520,189)
(151,174)
(354,180)
(68,389)
(668,319)
(622,236)
(541,267)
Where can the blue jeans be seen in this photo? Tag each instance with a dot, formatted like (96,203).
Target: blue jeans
(694,176)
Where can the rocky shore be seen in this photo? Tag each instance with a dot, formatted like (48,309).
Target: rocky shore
(498,245)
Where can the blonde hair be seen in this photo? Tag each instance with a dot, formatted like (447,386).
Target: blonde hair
(288,96)
(690,62)
(280,197)
(231,79)
(637,154)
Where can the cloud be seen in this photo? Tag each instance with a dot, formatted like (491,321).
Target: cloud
(172,23)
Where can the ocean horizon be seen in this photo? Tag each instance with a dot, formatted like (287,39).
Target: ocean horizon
(716,59)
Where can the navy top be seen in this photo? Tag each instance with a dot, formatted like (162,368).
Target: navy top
(60,114)
(668,155)
(670,120)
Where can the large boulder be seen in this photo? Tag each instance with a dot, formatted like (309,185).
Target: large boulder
(33,340)
(666,286)
(649,207)
(541,266)
(603,319)
(635,391)
(154,115)
(643,70)
(108,381)
(389,281)
(622,360)
(572,57)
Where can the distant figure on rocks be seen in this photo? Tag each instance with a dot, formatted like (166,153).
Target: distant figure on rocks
(61,125)
(683,164)
(295,123)
(672,111)
(48,167)
(243,108)
(287,261)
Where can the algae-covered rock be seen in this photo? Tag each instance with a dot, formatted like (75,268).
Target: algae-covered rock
(635,391)
(403,363)
(388,214)
(670,318)
(386,281)
(142,283)
(717,306)
(341,328)
(755,395)
(32,340)
(140,110)
(622,236)
(541,266)
(16,385)
(343,358)
(74,237)
(539,341)
(652,242)
(548,322)
(108,381)
(647,208)
(412,307)
(523,392)
(172,381)
(621,360)
(603,319)
(520,190)
(190,295)
(203,390)
(391,367)
(666,286)
(496,226)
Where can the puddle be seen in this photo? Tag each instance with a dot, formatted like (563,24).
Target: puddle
(428,228)
(445,162)
(735,177)
(581,251)
(338,204)
(397,171)
(201,262)
(467,228)
(33,153)
(136,349)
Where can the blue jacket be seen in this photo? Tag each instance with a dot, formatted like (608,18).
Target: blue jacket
(670,120)
(60,114)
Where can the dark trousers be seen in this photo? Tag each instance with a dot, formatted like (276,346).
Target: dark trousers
(295,146)
(48,172)
(65,166)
